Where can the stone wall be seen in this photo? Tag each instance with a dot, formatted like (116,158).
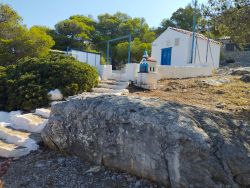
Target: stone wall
(242,57)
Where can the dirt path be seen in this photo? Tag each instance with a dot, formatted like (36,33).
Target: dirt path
(46,168)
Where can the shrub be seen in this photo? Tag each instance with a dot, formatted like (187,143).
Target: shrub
(222,56)
(29,81)
(2,87)
(103,61)
(230,60)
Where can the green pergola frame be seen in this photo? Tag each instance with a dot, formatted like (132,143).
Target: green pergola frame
(116,39)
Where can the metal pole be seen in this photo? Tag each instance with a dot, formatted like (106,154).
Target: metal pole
(129,49)
(116,39)
(194,31)
(196,47)
(207,49)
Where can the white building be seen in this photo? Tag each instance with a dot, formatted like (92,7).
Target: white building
(174,48)
(91,58)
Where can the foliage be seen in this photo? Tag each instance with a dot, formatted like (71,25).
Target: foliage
(165,23)
(181,18)
(119,24)
(230,18)
(103,61)
(9,20)
(137,49)
(27,83)
(83,33)
(16,41)
(74,32)
(2,87)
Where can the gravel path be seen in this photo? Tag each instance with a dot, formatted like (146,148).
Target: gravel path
(46,168)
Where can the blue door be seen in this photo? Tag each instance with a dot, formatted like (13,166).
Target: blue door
(166,56)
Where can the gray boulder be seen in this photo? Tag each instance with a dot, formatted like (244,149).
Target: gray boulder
(240,71)
(172,144)
(245,78)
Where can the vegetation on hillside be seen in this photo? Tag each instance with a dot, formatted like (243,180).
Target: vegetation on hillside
(16,41)
(26,84)
(229,18)
(27,71)
(216,18)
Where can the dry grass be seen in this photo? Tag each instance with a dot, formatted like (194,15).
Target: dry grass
(232,97)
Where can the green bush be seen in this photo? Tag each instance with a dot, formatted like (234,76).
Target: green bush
(2,87)
(230,60)
(222,56)
(28,82)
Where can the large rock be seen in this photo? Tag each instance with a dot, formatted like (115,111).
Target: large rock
(240,71)
(178,146)
(55,95)
(245,78)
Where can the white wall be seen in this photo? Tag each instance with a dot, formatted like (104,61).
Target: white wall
(181,54)
(165,72)
(129,73)
(105,72)
(93,59)
(207,53)
(147,80)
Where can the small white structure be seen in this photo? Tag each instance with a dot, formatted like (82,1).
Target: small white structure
(148,75)
(174,48)
(91,58)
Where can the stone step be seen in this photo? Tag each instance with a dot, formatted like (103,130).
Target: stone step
(18,138)
(43,112)
(108,81)
(5,116)
(28,122)
(8,150)
(110,91)
(114,82)
(110,86)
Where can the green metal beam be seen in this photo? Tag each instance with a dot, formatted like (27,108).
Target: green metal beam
(194,31)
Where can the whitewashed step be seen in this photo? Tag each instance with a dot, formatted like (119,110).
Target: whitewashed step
(28,122)
(8,150)
(122,83)
(5,116)
(18,138)
(45,113)
(108,82)
(110,86)
(110,91)
(114,82)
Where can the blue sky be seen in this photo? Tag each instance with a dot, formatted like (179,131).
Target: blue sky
(49,12)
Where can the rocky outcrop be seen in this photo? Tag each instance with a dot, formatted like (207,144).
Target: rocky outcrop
(178,146)
(240,71)
(245,78)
